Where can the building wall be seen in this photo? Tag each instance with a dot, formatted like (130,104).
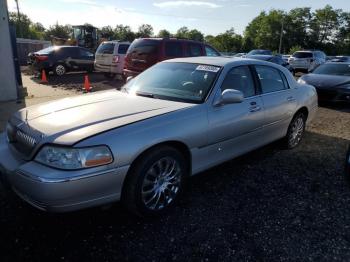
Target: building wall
(8,83)
(26,46)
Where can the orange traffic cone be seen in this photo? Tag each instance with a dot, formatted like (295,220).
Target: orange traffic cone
(87,85)
(43,77)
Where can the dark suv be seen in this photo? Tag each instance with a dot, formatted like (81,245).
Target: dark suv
(145,52)
(61,59)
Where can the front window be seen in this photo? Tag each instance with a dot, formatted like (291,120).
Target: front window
(333,69)
(185,82)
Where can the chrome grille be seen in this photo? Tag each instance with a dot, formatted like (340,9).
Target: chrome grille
(22,137)
(25,139)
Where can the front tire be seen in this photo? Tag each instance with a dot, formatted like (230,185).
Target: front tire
(295,130)
(155,182)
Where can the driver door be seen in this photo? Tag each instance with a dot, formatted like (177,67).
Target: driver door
(235,128)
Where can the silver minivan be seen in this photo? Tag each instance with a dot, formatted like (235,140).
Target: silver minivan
(109,57)
(306,60)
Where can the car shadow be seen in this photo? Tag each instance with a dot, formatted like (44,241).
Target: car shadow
(338,106)
(270,199)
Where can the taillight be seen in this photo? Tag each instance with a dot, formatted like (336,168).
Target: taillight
(40,58)
(115,59)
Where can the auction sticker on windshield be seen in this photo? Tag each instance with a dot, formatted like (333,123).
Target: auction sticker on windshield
(208,68)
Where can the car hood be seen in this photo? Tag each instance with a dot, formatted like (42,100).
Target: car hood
(326,81)
(72,119)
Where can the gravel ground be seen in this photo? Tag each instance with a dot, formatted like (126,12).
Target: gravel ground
(269,205)
(75,81)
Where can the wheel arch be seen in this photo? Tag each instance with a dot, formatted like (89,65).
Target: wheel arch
(178,145)
(303,110)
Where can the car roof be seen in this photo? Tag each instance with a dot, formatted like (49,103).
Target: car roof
(261,57)
(115,42)
(217,60)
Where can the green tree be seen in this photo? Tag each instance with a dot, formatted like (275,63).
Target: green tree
(196,35)
(182,32)
(145,30)
(25,27)
(229,41)
(123,33)
(164,33)
(107,32)
(59,31)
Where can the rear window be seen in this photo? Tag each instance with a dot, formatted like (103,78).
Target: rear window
(105,48)
(122,49)
(302,55)
(47,50)
(173,49)
(144,47)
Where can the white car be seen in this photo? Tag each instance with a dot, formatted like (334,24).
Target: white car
(109,57)
(306,61)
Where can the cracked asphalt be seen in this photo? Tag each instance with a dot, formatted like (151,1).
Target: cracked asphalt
(269,205)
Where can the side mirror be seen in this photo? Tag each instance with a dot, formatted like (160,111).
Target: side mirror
(129,78)
(229,96)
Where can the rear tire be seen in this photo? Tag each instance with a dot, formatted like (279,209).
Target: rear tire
(295,131)
(59,70)
(155,182)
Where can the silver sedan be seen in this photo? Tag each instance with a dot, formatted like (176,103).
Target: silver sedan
(176,119)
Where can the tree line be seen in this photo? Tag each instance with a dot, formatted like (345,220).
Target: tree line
(327,29)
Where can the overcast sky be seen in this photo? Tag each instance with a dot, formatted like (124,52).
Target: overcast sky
(208,16)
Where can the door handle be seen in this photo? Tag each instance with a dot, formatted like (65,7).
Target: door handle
(254,109)
(290,99)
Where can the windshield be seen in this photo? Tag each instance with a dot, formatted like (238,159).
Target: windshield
(333,69)
(185,82)
(302,55)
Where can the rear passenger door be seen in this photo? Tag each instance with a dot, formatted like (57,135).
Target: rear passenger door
(278,98)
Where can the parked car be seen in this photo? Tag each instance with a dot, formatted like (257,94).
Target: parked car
(239,55)
(273,59)
(286,58)
(259,52)
(145,52)
(109,57)
(306,61)
(61,59)
(341,59)
(174,120)
(332,81)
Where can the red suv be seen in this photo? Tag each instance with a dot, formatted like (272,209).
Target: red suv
(145,52)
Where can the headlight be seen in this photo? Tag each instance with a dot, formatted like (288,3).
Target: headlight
(301,81)
(74,158)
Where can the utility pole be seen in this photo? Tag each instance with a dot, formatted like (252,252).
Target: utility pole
(281,37)
(19,20)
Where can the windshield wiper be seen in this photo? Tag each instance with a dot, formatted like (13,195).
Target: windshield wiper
(145,94)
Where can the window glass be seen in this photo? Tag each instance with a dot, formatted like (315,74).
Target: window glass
(86,53)
(270,79)
(173,49)
(240,78)
(184,82)
(302,55)
(141,46)
(105,48)
(333,69)
(122,49)
(210,51)
(194,50)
